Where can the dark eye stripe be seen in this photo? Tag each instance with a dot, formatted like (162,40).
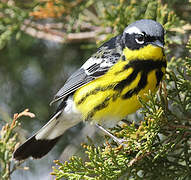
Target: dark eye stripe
(146,37)
(151,38)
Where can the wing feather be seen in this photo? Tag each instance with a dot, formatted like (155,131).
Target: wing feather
(96,66)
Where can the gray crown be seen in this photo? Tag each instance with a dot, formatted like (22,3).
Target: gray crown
(150,27)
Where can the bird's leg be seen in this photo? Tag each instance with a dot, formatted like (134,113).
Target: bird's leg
(117,140)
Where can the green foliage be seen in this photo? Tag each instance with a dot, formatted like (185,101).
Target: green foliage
(8,142)
(121,13)
(11,19)
(179,77)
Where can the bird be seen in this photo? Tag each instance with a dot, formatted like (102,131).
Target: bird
(107,87)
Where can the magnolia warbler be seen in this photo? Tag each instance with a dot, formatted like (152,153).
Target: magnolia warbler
(106,88)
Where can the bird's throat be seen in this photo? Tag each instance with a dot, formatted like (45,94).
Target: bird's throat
(148,52)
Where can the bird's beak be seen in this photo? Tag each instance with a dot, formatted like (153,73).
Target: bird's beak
(158,43)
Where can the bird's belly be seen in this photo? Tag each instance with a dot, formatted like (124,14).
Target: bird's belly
(111,105)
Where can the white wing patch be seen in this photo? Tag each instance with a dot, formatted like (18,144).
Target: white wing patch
(90,62)
(106,63)
(97,65)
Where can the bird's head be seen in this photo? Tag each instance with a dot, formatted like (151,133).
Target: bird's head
(143,39)
(142,33)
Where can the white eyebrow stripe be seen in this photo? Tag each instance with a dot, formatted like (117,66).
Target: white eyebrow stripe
(132,30)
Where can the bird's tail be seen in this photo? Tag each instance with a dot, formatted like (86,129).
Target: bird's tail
(44,140)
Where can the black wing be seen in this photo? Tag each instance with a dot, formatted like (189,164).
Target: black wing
(97,65)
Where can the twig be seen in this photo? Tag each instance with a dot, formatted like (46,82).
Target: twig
(50,32)
(133,161)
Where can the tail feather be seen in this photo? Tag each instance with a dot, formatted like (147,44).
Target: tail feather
(35,148)
(43,141)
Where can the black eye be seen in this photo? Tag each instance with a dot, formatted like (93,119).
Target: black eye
(140,39)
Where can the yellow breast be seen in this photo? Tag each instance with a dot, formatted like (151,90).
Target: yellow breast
(100,101)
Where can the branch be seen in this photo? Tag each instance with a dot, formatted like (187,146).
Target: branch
(52,32)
